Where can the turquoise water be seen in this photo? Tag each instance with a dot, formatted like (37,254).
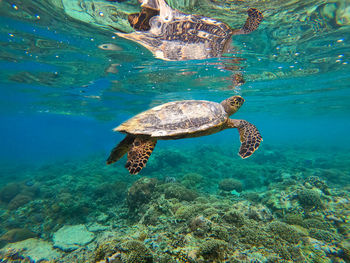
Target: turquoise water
(62,93)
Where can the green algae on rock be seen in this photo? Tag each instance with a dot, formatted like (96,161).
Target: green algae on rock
(140,192)
(69,238)
(15,235)
(35,249)
(230,184)
(309,198)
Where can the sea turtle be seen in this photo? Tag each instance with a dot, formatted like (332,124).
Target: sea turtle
(177,120)
(172,35)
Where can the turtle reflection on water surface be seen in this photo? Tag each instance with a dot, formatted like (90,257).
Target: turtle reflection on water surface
(178,120)
(172,35)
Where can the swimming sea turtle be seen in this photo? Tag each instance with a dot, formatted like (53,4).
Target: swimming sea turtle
(172,35)
(177,120)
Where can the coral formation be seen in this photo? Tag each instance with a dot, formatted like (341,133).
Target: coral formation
(15,235)
(140,192)
(230,184)
(69,238)
(285,231)
(213,250)
(9,191)
(179,192)
(133,251)
(234,217)
(284,213)
(309,198)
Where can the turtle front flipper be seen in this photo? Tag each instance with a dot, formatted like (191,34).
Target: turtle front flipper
(249,135)
(121,149)
(139,153)
(252,23)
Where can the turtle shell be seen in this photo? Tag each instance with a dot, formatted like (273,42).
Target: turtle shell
(173,35)
(188,34)
(178,118)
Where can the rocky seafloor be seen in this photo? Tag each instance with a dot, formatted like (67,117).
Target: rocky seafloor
(284,204)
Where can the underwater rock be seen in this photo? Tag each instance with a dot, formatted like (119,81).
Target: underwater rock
(19,200)
(130,251)
(315,181)
(69,238)
(234,217)
(293,219)
(230,184)
(324,235)
(96,227)
(191,180)
(186,212)
(200,226)
(251,196)
(106,249)
(15,235)
(213,250)
(13,255)
(140,192)
(134,251)
(35,249)
(316,223)
(9,191)
(309,198)
(179,192)
(345,245)
(151,216)
(285,231)
(260,213)
(220,232)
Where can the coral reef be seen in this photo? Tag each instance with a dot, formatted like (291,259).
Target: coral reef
(230,184)
(15,235)
(288,211)
(213,250)
(69,238)
(309,198)
(179,192)
(134,251)
(140,192)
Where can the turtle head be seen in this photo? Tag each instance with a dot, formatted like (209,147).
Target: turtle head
(232,104)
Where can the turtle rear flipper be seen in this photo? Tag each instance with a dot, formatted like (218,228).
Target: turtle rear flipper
(139,153)
(121,149)
(249,135)
(252,23)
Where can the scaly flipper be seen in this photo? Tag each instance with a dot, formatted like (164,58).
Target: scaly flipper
(252,23)
(249,136)
(121,149)
(139,153)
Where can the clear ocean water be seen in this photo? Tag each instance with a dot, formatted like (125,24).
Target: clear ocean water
(67,80)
